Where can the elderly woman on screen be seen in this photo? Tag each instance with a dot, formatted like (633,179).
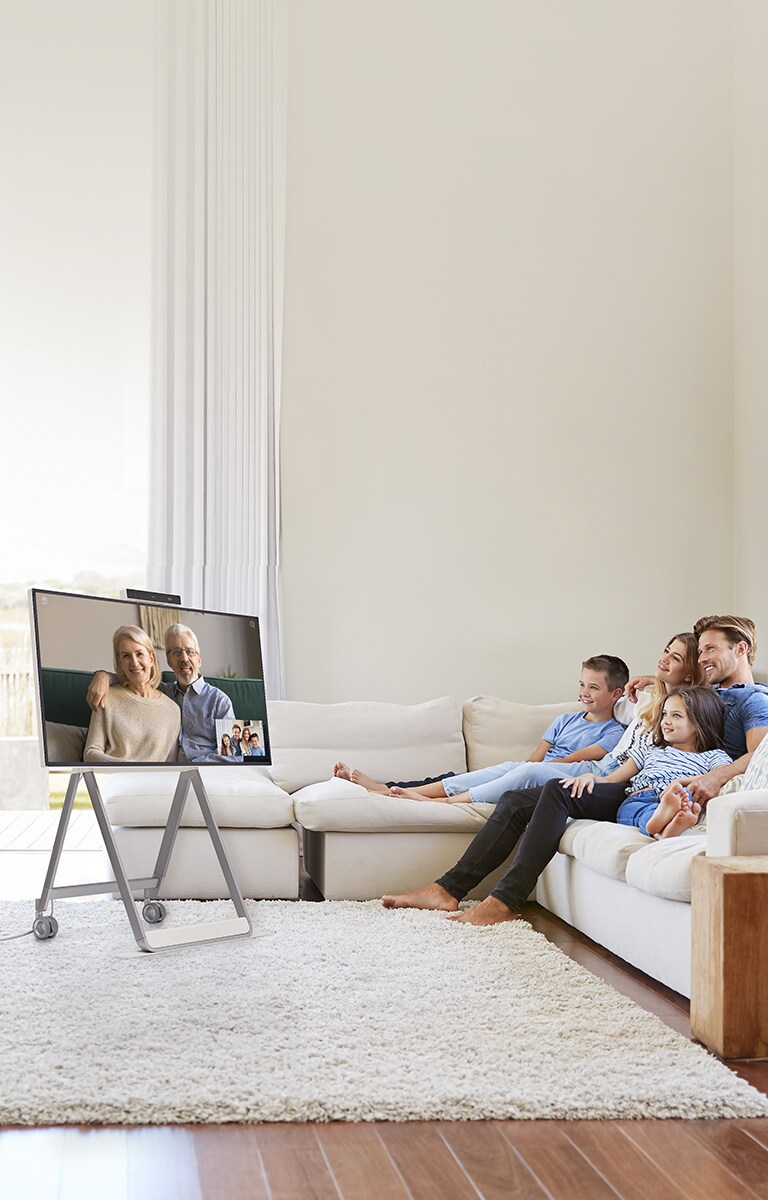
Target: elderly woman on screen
(137,723)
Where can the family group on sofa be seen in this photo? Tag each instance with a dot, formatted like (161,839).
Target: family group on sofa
(696,725)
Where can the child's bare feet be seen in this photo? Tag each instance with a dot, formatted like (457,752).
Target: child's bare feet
(488,912)
(685,819)
(673,800)
(667,808)
(431,896)
(369,784)
(341,771)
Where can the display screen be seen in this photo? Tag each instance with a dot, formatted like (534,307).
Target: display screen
(124,683)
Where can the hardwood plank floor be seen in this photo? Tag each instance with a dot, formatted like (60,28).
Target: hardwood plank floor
(354,1162)
(493,1160)
(490,1160)
(622,1164)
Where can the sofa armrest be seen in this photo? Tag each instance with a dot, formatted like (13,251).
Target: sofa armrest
(738,824)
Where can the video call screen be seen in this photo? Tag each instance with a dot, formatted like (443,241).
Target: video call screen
(123,683)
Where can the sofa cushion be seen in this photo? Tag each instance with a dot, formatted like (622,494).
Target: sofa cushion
(387,741)
(241,797)
(663,868)
(341,807)
(572,828)
(497,731)
(65,743)
(605,847)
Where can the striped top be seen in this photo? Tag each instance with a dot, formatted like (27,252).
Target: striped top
(659,766)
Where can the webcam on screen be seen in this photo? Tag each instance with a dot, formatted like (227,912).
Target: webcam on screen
(150,597)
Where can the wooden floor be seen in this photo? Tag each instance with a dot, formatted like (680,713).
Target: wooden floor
(561,1160)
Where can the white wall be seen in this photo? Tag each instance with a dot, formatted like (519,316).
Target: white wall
(508,351)
(751,225)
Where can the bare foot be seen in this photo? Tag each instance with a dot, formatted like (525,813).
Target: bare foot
(415,794)
(341,771)
(431,896)
(488,912)
(686,819)
(370,784)
(674,799)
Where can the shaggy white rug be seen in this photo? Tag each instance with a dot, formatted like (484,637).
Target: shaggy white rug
(347,1012)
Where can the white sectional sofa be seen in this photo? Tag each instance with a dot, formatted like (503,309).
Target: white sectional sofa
(628,893)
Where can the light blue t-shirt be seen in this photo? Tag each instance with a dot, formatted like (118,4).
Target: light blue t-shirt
(572,731)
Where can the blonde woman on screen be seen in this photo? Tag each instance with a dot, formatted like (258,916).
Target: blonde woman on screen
(137,722)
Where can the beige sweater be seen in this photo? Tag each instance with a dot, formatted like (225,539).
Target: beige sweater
(133,728)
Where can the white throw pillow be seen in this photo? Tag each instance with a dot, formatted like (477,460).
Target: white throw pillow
(387,741)
(497,731)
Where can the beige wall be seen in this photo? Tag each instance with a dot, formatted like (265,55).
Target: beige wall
(751,241)
(508,352)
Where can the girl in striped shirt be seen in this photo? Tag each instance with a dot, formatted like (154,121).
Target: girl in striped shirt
(686,741)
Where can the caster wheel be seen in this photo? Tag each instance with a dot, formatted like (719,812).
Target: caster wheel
(153,912)
(45,928)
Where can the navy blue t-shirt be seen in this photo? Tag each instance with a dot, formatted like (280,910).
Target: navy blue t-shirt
(746,707)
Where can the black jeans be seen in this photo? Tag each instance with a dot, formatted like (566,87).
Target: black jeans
(421,782)
(540,815)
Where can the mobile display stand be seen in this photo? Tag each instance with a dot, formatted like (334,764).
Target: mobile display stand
(153,910)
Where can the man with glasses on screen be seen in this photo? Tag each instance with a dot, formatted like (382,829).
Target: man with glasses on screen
(201,704)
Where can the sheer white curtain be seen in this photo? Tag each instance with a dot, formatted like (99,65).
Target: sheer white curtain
(218,288)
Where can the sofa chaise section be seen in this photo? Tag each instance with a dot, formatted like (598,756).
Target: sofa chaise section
(254,815)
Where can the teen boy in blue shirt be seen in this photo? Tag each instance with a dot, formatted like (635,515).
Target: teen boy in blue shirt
(572,737)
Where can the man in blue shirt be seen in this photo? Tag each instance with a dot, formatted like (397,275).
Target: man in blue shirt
(727,648)
(201,704)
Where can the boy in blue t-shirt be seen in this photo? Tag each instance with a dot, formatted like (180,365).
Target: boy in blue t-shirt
(572,737)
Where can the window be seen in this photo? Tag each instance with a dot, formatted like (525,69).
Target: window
(75,222)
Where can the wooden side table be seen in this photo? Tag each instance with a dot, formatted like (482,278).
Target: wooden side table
(729,961)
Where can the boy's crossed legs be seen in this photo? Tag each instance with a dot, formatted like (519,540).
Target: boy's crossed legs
(427,788)
(488,784)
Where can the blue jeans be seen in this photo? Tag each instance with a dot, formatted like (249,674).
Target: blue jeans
(489,784)
(639,808)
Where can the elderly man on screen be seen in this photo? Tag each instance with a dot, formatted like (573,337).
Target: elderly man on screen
(201,704)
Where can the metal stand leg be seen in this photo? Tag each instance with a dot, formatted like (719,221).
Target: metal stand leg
(149,939)
(58,844)
(123,883)
(218,845)
(171,830)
